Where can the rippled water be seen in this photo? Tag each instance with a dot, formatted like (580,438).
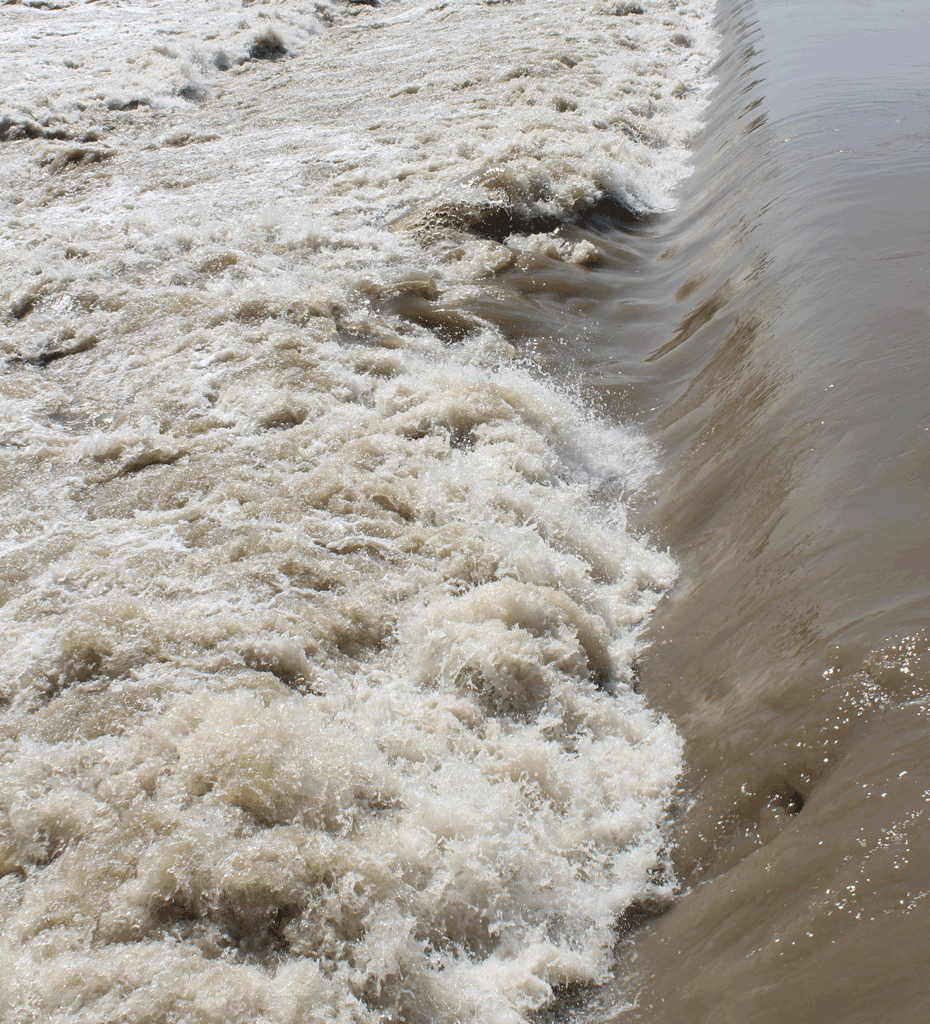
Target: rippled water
(772,335)
(438,529)
(791,399)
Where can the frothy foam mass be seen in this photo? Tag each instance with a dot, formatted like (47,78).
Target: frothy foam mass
(318,614)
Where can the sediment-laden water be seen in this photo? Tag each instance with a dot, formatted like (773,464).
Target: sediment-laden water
(320,604)
(793,407)
(772,334)
(457,563)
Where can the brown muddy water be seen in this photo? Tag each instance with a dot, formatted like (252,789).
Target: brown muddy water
(353,668)
(790,396)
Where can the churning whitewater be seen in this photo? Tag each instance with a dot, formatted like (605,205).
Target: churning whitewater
(319,606)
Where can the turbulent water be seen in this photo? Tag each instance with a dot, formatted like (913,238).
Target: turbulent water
(772,334)
(464,541)
(320,605)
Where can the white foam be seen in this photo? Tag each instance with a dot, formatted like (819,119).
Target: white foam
(318,626)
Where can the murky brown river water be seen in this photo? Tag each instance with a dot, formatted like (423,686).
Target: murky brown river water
(327,650)
(791,400)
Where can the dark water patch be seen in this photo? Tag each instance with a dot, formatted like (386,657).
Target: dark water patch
(13,128)
(268,46)
(251,930)
(638,914)
(193,93)
(787,798)
(286,670)
(83,660)
(507,210)
(623,9)
(571,309)
(61,348)
(612,213)
(607,213)
(82,671)
(145,460)
(36,5)
(567,1004)
(66,158)
(43,846)
(756,124)
(121,106)
(447,322)
(284,419)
